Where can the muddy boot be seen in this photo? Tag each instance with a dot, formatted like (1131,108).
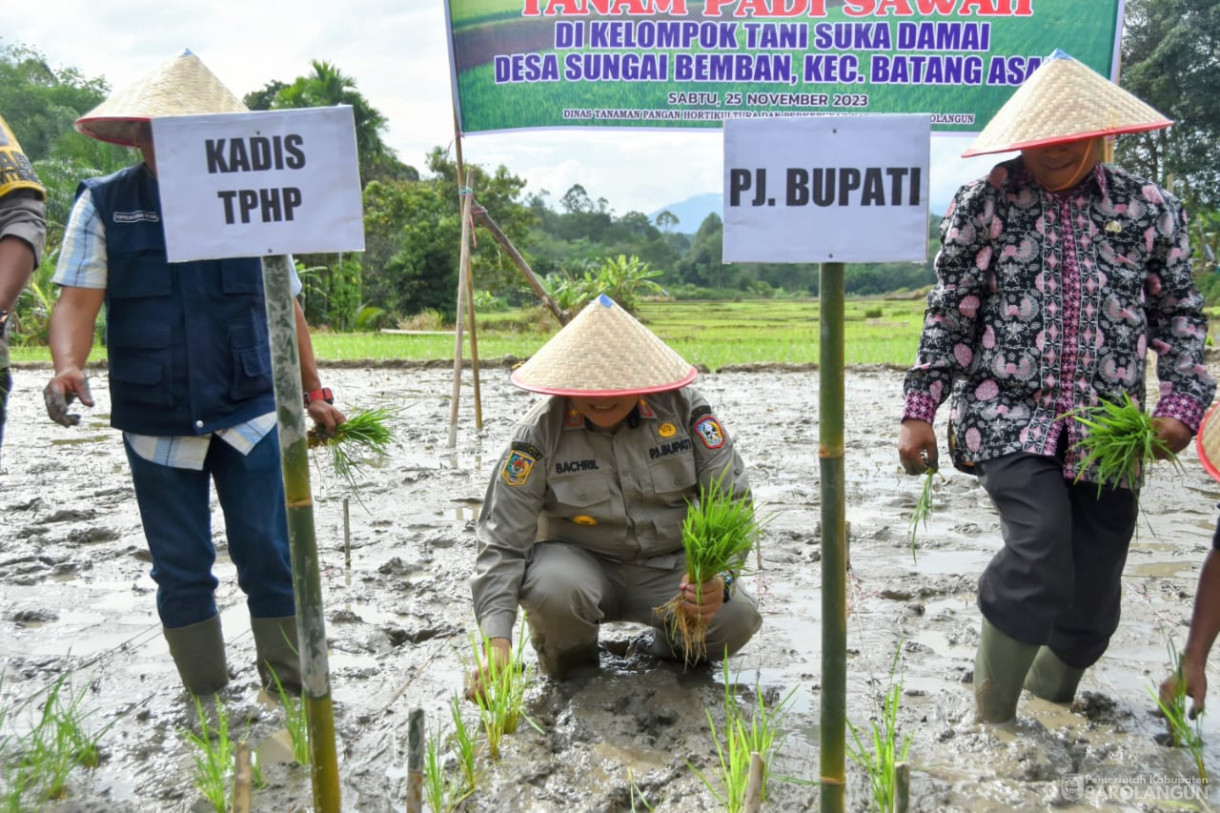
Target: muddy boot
(566,661)
(275,640)
(199,653)
(999,670)
(1052,679)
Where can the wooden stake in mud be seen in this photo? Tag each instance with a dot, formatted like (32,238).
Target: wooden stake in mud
(834,539)
(754,783)
(294,457)
(243,779)
(415,761)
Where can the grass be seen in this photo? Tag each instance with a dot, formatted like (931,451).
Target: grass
(887,751)
(1181,732)
(35,767)
(718,533)
(502,701)
(711,334)
(1121,438)
(740,738)
(923,508)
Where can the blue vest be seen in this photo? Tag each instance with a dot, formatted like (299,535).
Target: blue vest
(187,342)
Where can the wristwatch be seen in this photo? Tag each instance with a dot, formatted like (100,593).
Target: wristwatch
(323,394)
(728,580)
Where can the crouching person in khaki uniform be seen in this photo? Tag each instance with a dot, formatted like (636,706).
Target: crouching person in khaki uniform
(582,522)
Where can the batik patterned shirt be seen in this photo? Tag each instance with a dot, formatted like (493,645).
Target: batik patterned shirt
(1046,303)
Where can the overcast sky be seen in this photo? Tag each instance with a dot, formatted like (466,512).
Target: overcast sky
(396,52)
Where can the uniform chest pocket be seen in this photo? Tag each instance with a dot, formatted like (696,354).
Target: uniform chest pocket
(577,497)
(674,477)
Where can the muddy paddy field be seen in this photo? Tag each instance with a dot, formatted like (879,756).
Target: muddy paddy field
(76,597)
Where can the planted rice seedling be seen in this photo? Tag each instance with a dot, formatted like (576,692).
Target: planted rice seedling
(887,752)
(717,534)
(1173,707)
(502,698)
(1121,438)
(443,790)
(366,432)
(465,748)
(212,751)
(296,721)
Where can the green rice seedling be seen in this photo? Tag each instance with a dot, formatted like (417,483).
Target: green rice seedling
(636,795)
(760,733)
(367,431)
(717,534)
(502,699)
(1121,438)
(887,753)
(465,747)
(437,783)
(212,751)
(59,742)
(296,721)
(923,507)
(1181,732)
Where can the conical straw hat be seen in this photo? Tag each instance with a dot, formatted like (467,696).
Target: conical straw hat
(1064,100)
(604,351)
(1207,443)
(181,87)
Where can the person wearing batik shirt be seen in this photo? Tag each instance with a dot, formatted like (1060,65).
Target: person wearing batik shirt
(1056,274)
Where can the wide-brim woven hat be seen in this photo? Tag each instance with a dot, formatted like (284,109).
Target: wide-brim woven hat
(604,351)
(183,86)
(1207,442)
(1064,100)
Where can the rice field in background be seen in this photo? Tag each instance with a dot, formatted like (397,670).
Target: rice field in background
(713,334)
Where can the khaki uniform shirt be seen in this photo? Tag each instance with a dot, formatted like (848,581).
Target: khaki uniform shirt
(620,495)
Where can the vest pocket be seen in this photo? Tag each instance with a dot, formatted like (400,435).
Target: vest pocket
(251,372)
(139,380)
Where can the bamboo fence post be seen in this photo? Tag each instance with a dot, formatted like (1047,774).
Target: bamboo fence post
(347,535)
(754,783)
(902,787)
(458,327)
(307,588)
(243,779)
(834,543)
(415,762)
(492,226)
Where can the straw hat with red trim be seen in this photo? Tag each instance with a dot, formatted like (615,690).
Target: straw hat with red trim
(604,351)
(1064,100)
(182,86)
(1207,442)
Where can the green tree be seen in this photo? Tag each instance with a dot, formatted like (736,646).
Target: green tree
(1170,58)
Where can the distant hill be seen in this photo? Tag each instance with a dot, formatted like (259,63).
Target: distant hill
(692,211)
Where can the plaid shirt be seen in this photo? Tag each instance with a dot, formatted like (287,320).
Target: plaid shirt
(1046,302)
(83,264)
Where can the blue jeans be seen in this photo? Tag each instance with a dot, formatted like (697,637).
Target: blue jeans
(174,508)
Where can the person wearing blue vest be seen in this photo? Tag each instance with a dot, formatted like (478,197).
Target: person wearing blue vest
(190,387)
(23,232)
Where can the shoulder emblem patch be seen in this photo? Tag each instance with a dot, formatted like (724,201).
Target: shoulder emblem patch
(666,430)
(574,419)
(645,410)
(517,468)
(584,519)
(709,431)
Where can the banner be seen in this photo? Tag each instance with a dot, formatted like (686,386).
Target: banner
(845,189)
(694,63)
(259,184)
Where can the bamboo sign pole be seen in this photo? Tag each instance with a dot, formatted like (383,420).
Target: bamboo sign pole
(458,327)
(834,539)
(306,583)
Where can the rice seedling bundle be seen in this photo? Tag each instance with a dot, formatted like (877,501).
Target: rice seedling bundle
(923,508)
(1120,438)
(718,533)
(367,431)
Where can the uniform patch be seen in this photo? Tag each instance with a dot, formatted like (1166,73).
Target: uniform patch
(517,468)
(709,431)
(574,419)
(645,410)
(584,519)
(667,430)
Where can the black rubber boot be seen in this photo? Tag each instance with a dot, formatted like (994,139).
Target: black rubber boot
(275,640)
(1052,679)
(999,671)
(199,653)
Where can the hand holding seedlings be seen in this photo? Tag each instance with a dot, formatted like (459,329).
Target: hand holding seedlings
(702,601)
(498,654)
(917,447)
(1172,436)
(326,417)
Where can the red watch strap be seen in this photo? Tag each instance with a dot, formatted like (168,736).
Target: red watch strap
(323,394)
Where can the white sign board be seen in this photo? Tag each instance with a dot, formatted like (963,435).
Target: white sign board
(847,189)
(254,184)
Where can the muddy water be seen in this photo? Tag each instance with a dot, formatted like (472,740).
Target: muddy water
(75,595)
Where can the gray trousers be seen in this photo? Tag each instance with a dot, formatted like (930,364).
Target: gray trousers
(568,592)
(1056,581)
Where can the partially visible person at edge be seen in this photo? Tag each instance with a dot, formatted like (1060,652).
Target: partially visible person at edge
(190,386)
(23,231)
(1056,274)
(1205,617)
(582,521)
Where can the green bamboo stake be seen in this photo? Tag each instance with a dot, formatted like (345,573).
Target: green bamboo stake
(834,540)
(307,587)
